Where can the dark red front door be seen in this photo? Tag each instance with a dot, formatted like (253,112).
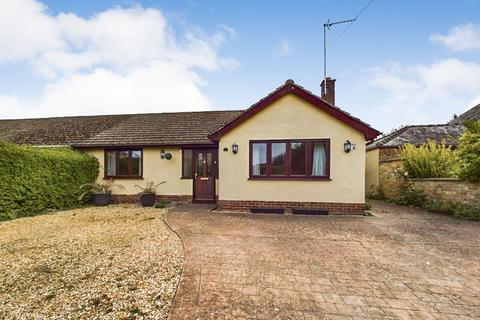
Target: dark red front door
(204,176)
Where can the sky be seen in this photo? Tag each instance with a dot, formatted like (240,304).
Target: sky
(400,63)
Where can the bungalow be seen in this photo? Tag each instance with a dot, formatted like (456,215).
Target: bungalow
(292,149)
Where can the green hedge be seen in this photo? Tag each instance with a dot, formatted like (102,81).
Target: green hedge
(33,180)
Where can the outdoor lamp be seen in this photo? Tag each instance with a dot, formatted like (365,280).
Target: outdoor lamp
(235,148)
(165,155)
(348,146)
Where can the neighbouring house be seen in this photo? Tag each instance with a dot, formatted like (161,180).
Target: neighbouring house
(291,150)
(383,162)
(471,114)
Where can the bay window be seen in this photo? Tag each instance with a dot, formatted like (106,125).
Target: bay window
(123,163)
(290,159)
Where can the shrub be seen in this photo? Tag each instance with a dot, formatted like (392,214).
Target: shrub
(458,210)
(162,204)
(376,193)
(33,180)
(468,152)
(411,196)
(431,160)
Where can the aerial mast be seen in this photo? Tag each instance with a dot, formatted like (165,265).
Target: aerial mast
(326,26)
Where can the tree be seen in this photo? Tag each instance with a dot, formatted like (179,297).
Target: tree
(469,152)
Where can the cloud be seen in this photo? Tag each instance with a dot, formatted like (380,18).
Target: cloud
(423,93)
(284,48)
(120,60)
(460,38)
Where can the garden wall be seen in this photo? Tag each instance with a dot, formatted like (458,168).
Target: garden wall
(450,190)
(390,168)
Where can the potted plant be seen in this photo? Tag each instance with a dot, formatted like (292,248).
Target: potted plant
(147,196)
(99,193)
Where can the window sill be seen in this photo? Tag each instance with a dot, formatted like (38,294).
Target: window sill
(123,178)
(291,178)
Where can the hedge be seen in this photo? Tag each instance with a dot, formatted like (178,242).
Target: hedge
(34,180)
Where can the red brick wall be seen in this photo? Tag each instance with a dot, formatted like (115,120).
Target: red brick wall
(135,198)
(335,208)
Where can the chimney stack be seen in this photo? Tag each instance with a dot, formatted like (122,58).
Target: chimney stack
(329,94)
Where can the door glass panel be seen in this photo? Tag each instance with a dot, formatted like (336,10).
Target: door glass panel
(298,157)
(123,163)
(209,164)
(200,166)
(279,151)
(187,163)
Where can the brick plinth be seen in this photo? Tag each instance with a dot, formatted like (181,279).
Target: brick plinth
(333,208)
(135,198)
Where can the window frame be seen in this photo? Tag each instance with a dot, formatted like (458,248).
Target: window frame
(289,175)
(117,163)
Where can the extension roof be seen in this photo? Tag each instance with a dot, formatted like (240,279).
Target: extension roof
(419,135)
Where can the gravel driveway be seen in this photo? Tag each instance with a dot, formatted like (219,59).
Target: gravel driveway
(94,263)
(401,264)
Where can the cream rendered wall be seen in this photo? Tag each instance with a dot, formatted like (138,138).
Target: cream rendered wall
(372,177)
(154,169)
(292,118)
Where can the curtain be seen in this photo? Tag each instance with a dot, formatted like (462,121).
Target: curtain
(111,163)
(258,158)
(319,160)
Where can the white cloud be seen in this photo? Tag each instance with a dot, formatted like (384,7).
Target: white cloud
(424,93)
(284,48)
(460,38)
(121,60)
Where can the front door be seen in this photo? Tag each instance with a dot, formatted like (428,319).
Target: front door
(204,176)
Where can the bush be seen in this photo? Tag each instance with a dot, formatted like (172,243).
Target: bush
(468,152)
(411,196)
(33,180)
(161,204)
(376,193)
(431,160)
(458,210)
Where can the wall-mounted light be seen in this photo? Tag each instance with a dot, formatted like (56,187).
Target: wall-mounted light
(165,155)
(348,146)
(235,148)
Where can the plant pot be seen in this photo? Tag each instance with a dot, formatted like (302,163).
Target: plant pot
(147,199)
(101,199)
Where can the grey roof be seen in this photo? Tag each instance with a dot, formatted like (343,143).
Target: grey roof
(420,134)
(178,128)
(56,131)
(472,114)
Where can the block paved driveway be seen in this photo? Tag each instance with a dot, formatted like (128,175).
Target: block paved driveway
(401,264)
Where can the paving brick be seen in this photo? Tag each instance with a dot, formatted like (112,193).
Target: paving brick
(243,266)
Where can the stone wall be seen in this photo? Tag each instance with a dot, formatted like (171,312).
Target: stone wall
(388,154)
(390,178)
(450,190)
